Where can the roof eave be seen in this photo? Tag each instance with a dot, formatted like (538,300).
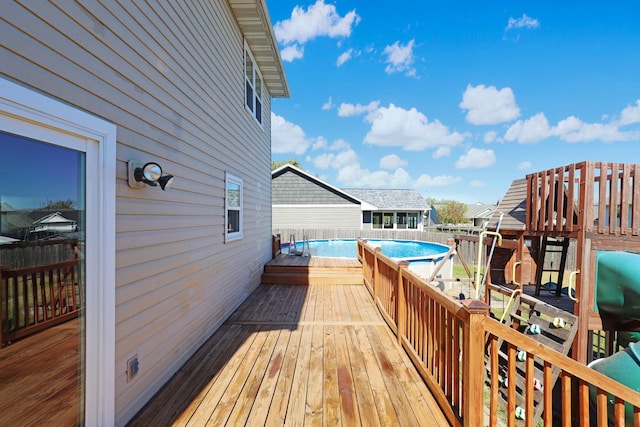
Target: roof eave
(255,24)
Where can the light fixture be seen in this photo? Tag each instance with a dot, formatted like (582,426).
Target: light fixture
(165,181)
(150,174)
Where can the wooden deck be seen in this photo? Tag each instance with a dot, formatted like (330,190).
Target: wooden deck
(38,378)
(298,355)
(311,270)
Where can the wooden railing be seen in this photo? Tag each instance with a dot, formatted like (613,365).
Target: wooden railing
(577,382)
(275,245)
(35,298)
(589,196)
(367,259)
(453,345)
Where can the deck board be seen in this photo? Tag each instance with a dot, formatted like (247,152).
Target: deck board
(38,378)
(297,355)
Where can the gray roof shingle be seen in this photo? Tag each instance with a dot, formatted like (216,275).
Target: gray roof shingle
(392,199)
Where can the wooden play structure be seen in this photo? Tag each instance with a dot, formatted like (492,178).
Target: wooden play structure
(596,204)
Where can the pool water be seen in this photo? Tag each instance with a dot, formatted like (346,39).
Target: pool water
(348,248)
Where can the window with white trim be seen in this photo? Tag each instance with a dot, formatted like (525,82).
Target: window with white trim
(233,208)
(252,85)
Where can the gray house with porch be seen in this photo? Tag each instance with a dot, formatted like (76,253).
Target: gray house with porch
(302,200)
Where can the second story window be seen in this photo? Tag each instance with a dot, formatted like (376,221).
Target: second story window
(252,85)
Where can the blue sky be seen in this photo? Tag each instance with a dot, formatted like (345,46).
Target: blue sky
(33,173)
(455,99)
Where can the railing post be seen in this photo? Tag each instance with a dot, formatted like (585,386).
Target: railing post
(401,303)
(473,363)
(376,275)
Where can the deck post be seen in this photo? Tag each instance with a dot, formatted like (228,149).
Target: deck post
(401,303)
(376,275)
(473,363)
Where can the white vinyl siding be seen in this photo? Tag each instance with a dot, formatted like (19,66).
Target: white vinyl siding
(170,76)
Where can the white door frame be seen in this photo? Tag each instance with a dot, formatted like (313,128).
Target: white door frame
(26,112)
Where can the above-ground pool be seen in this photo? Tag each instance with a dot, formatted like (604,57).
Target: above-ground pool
(422,256)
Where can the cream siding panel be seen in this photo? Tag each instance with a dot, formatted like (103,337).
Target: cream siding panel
(301,216)
(170,76)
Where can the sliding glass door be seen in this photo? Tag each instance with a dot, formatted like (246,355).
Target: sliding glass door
(42,282)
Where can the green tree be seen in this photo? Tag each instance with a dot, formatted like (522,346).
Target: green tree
(58,204)
(275,164)
(452,212)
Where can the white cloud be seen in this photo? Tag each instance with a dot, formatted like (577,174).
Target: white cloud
(349,110)
(523,166)
(344,57)
(630,114)
(317,20)
(476,158)
(409,129)
(328,105)
(400,58)
(392,161)
(534,129)
(339,144)
(350,173)
(335,160)
(289,53)
(355,176)
(287,137)
(426,181)
(441,152)
(320,143)
(571,129)
(490,136)
(488,105)
(477,184)
(523,22)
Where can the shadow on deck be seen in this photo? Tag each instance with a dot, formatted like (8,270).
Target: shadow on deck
(292,355)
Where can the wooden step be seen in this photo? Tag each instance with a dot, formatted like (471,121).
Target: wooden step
(312,271)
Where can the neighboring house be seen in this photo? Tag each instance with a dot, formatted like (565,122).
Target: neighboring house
(476,217)
(302,200)
(187,85)
(479,214)
(397,209)
(54,222)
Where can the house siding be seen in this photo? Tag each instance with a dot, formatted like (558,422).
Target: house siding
(170,76)
(334,217)
(290,188)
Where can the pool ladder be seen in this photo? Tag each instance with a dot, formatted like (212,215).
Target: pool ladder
(305,245)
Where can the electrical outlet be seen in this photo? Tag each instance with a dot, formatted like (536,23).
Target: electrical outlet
(132,368)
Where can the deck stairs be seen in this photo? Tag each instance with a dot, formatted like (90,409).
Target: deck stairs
(309,270)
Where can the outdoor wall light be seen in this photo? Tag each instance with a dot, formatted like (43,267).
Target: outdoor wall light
(150,174)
